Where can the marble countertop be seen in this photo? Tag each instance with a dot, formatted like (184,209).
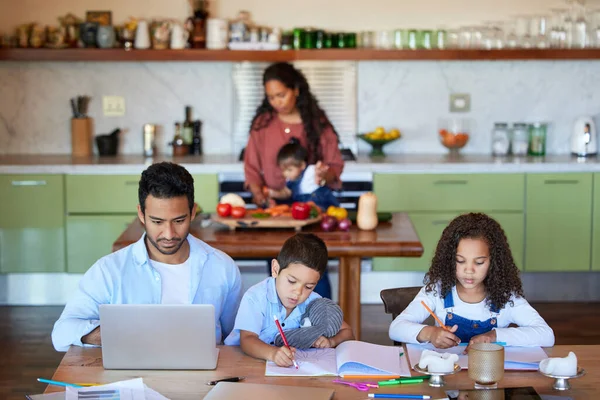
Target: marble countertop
(409,163)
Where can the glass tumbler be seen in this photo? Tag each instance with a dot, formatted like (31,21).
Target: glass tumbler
(486,365)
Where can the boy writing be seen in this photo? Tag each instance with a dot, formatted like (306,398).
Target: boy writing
(286,294)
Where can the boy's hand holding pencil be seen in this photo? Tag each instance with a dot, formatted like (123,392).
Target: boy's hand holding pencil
(283,356)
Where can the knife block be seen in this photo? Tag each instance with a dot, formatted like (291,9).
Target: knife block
(82,131)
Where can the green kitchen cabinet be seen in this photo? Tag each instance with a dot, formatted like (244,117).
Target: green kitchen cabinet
(206,191)
(450,192)
(596,231)
(429,227)
(118,194)
(102,194)
(558,224)
(32,223)
(90,237)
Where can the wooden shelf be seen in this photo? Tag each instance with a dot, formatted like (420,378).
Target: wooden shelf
(293,55)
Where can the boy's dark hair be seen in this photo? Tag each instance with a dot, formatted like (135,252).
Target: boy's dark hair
(166,180)
(502,280)
(292,151)
(306,249)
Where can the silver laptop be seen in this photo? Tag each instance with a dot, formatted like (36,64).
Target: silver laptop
(158,336)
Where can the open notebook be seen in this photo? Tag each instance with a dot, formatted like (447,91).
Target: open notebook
(349,358)
(515,358)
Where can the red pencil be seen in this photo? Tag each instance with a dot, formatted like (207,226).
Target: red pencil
(284,338)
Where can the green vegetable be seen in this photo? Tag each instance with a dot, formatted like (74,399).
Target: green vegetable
(314,212)
(261,215)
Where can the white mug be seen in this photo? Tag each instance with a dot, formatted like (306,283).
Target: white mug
(217,33)
(179,36)
(142,36)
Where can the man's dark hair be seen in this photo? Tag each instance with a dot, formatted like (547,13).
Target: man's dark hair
(293,151)
(166,180)
(306,249)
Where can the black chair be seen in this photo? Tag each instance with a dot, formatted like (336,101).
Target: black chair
(397,299)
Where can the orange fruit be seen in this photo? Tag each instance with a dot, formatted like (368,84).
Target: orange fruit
(449,140)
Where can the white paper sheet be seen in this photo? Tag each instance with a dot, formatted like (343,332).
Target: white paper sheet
(133,389)
(350,358)
(515,358)
(361,358)
(311,362)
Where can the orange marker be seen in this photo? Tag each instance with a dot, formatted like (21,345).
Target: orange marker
(435,317)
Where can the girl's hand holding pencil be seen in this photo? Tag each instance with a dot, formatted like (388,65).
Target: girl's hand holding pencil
(442,337)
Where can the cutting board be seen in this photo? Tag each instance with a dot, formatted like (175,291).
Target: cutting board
(271,222)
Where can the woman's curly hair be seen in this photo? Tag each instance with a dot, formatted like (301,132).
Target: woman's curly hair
(502,280)
(313,117)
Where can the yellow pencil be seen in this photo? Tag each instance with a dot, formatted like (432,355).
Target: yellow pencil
(435,317)
(89,384)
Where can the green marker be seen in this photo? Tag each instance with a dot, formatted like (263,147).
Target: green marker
(400,381)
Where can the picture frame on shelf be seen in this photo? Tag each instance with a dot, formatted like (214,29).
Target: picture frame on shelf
(99,17)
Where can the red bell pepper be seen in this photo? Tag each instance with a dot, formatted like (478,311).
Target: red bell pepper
(300,210)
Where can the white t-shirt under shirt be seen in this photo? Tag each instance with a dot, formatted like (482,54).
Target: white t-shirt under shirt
(308,184)
(532,329)
(175,282)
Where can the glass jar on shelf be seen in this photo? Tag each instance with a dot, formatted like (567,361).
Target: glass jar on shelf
(537,139)
(520,139)
(558,33)
(500,139)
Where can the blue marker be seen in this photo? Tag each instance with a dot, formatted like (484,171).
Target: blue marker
(398,396)
(58,383)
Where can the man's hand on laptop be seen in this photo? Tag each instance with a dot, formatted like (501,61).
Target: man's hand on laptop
(93,337)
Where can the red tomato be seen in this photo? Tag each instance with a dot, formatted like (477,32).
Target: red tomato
(224,209)
(238,212)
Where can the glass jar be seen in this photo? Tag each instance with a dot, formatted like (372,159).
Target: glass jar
(309,39)
(537,139)
(319,39)
(351,40)
(426,41)
(500,139)
(287,40)
(339,40)
(440,39)
(520,139)
(298,38)
(328,40)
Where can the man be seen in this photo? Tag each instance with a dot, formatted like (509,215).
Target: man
(166,266)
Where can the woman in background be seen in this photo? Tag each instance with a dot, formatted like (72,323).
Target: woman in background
(289,110)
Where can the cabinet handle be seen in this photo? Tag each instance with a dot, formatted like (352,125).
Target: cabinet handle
(131,183)
(451,182)
(440,222)
(28,183)
(561,181)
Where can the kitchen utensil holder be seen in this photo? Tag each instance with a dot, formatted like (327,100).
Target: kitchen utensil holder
(82,132)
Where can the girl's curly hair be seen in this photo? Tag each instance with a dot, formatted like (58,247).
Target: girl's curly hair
(313,117)
(502,280)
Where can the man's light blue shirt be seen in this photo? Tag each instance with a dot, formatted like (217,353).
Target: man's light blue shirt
(259,304)
(126,277)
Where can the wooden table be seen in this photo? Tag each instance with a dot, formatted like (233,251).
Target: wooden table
(85,365)
(396,238)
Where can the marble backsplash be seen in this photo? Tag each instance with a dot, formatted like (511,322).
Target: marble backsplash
(412,96)
(35,112)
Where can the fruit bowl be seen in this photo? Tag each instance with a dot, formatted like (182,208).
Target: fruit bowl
(454,134)
(378,139)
